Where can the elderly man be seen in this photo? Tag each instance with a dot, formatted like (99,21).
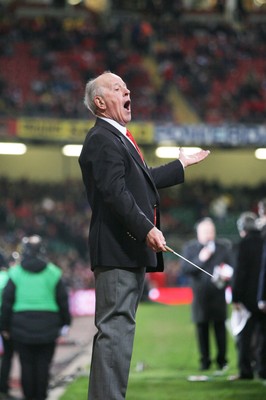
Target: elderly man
(125,239)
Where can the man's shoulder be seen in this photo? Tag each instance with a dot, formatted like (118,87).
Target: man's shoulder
(95,134)
(98,138)
(102,129)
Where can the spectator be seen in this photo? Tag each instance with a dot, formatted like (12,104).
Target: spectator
(8,348)
(261,223)
(34,309)
(244,293)
(209,304)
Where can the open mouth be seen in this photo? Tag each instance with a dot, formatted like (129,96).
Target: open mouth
(127,105)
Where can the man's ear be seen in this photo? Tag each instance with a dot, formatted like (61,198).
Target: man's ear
(99,102)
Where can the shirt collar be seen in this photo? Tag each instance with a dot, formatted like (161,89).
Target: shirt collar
(121,128)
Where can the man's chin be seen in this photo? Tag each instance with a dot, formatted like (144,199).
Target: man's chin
(125,121)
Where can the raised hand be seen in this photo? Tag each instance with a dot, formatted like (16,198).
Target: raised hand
(191,159)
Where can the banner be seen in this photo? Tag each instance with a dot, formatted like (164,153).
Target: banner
(145,133)
(48,129)
(202,135)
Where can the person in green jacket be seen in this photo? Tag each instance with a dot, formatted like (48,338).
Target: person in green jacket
(35,308)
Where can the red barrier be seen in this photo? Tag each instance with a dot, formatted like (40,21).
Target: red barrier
(172,296)
(82,302)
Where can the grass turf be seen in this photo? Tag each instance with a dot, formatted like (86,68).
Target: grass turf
(165,354)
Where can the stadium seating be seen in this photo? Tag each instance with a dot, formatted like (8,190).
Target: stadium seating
(218,68)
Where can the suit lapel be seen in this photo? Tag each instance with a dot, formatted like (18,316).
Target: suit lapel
(137,158)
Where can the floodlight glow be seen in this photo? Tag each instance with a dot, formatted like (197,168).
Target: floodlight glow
(259,3)
(12,148)
(260,154)
(72,150)
(74,2)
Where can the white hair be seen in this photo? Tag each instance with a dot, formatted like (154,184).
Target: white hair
(93,89)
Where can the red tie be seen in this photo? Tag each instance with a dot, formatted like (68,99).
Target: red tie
(129,135)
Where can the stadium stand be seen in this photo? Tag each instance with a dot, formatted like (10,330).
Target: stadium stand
(218,68)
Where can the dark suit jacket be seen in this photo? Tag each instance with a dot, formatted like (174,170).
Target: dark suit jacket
(209,302)
(123,196)
(247,271)
(262,278)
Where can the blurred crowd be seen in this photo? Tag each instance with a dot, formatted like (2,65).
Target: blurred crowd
(62,54)
(59,213)
(56,212)
(219,67)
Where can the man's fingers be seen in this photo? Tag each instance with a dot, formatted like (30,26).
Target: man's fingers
(190,159)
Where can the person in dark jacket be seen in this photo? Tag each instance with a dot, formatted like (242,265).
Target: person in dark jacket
(209,308)
(34,310)
(261,224)
(244,292)
(125,240)
(8,348)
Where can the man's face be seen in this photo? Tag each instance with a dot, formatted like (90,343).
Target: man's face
(114,103)
(206,232)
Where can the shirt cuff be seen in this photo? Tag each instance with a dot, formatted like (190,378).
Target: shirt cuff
(182,163)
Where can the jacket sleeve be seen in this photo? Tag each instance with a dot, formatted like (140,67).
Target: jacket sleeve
(7,305)
(261,295)
(240,277)
(168,175)
(63,303)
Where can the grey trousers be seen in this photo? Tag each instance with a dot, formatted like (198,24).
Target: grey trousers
(118,293)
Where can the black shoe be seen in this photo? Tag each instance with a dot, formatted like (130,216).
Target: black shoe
(205,367)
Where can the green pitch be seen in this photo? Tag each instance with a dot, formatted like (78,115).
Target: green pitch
(165,355)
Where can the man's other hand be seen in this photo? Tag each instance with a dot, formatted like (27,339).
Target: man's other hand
(191,159)
(155,240)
